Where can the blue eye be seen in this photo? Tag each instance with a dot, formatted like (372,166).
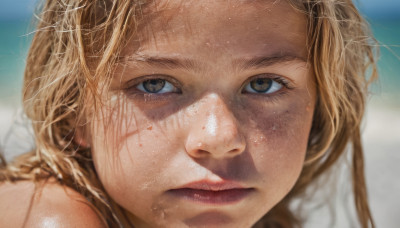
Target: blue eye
(157,85)
(262,85)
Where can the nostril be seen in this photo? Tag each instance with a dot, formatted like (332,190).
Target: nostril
(202,152)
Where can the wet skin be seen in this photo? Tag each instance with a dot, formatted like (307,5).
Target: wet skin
(208,116)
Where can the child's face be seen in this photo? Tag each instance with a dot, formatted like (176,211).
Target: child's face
(209,113)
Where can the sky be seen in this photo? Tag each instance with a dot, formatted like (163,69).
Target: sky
(22,9)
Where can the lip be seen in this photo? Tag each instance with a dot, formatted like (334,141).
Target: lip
(209,192)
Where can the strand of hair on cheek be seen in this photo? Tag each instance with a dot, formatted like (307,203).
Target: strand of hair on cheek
(109,52)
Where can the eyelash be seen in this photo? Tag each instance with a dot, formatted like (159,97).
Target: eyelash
(286,84)
(132,90)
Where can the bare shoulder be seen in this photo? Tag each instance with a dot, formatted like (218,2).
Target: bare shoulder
(47,204)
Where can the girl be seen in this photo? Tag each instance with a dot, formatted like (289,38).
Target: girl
(188,113)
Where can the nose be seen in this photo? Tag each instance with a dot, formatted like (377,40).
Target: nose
(215,131)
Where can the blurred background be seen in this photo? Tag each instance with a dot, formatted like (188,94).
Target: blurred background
(381,133)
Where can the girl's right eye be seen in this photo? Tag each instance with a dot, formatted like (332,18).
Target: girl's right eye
(156,86)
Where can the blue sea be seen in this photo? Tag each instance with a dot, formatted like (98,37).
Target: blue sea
(387,32)
(16,35)
(14,45)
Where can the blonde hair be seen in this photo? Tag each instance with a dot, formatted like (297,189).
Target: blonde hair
(77,43)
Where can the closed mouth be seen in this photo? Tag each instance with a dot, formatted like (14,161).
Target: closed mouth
(227,196)
(209,192)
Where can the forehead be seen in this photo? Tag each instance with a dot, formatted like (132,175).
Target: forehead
(232,27)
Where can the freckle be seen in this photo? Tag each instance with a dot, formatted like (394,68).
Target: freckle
(149,128)
(256,143)
(203,127)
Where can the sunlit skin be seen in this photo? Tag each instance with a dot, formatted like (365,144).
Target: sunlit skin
(212,120)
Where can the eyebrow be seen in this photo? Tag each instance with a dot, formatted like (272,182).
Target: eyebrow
(192,65)
(165,62)
(266,61)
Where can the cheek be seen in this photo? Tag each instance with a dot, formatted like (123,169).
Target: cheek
(131,150)
(278,143)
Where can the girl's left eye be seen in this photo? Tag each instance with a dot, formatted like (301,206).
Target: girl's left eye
(263,86)
(156,86)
